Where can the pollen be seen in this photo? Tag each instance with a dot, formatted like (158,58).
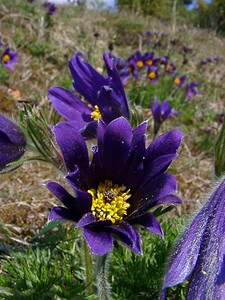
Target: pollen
(95,115)
(109,201)
(139,63)
(5,58)
(152,75)
(177,81)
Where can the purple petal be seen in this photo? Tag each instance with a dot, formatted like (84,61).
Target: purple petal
(128,236)
(166,143)
(157,166)
(169,199)
(150,222)
(207,281)
(72,145)
(89,219)
(116,148)
(68,105)
(87,81)
(202,243)
(78,206)
(61,214)
(100,242)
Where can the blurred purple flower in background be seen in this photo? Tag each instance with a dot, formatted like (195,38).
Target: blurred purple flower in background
(179,80)
(152,74)
(200,252)
(12,141)
(191,89)
(119,187)
(52,8)
(9,58)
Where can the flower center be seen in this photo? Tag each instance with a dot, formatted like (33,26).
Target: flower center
(95,115)
(5,58)
(152,75)
(177,81)
(109,201)
(139,63)
(149,62)
(168,68)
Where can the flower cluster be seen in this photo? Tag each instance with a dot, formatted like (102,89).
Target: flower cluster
(152,68)
(51,7)
(8,57)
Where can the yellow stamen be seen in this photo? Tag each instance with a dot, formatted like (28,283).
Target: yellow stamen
(152,75)
(149,62)
(95,115)
(177,81)
(139,63)
(168,67)
(109,201)
(5,58)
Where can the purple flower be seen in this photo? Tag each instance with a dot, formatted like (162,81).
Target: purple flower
(30,1)
(105,96)
(138,60)
(163,59)
(52,8)
(12,141)
(162,111)
(9,58)
(121,184)
(152,74)
(179,80)
(170,68)
(220,118)
(191,89)
(199,253)
(149,59)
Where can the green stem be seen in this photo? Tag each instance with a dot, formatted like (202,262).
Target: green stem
(103,286)
(88,268)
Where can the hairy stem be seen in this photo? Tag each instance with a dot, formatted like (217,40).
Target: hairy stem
(103,286)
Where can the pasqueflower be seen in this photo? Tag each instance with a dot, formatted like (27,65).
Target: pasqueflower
(9,58)
(105,97)
(199,253)
(12,141)
(116,191)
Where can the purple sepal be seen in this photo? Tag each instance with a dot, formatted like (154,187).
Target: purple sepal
(149,222)
(200,251)
(61,214)
(74,149)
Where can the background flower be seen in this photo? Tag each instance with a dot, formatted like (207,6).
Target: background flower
(12,141)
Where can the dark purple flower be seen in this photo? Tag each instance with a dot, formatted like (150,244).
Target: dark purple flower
(162,111)
(138,60)
(121,184)
(187,49)
(105,96)
(200,251)
(149,59)
(170,68)
(9,58)
(163,59)
(12,141)
(220,118)
(31,1)
(52,8)
(179,80)
(191,89)
(152,74)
